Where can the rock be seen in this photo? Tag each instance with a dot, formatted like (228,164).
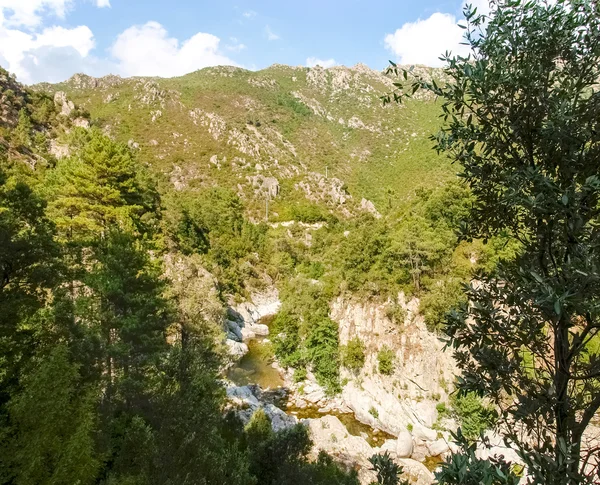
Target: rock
(389,446)
(329,434)
(81,122)
(417,473)
(247,333)
(404,445)
(59,150)
(236,349)
(438,447)
(421,432)
(264,185)
(244,397)
(234,329)
(368,206)
(260,329)
(279,419)
(60,99)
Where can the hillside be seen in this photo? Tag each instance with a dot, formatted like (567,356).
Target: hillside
(296,133)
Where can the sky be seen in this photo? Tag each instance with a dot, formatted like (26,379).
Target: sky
(50,40)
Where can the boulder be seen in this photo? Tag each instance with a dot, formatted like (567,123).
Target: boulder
(438,447)
(417,473)
(260,329)
(404,445)
(234,329)
(60,99)
(421,432)
(236,349)
(389,446)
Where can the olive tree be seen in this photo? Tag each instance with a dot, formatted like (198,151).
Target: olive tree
(521,118)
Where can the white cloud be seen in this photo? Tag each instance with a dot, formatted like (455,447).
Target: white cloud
(28,13)
(249,14)
(102,3)
(26,53)
(270,34)
(424,41)
(80,38)
(147,50)
(313,61)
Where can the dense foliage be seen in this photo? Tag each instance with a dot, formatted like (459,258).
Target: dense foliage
(521,116)
(109,373)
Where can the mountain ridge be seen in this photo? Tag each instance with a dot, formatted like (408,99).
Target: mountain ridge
(300,135)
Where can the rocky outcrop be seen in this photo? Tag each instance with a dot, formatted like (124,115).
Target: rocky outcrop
(66,106)
(330,435)
(246,400)
(422,375)
(243,320)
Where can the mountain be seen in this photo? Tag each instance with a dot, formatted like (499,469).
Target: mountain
(298,134)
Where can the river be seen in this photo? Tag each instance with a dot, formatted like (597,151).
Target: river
(256,368)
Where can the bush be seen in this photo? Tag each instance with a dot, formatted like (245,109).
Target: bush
(353,355)
(388,472)
(473,415)
(385,359)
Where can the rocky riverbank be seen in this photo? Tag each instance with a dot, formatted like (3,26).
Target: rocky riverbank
(374,412)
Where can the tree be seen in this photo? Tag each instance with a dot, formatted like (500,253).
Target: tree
(52,425)
(353,354)
(28,270)
(22,133)
(127,307)
(98,185)
(521,119)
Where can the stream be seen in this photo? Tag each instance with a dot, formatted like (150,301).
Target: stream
(255,368)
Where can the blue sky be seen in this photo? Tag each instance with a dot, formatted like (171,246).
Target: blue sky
(50,40)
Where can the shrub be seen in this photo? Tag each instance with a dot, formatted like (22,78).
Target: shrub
(388,472)
(385,358)
(473,414)
(373,412)
(353,354)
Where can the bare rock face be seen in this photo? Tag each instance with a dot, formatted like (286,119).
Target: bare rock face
(368,206)
(246,315)
(236,349)
(265,185)
(81,122)
(59,150)
(66,106)
(330,435)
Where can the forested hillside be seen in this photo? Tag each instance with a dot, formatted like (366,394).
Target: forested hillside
(108,374)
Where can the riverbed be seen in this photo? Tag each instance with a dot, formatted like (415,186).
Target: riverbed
(256,368)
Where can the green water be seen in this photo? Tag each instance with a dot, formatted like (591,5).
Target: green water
(255,367)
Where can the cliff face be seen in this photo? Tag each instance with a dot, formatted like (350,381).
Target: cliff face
(423,372)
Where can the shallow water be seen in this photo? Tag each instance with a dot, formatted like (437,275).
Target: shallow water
(374,437)
(255,367)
